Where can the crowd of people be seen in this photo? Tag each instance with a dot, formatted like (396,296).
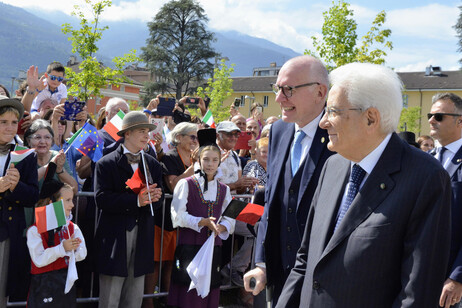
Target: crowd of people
(353,217)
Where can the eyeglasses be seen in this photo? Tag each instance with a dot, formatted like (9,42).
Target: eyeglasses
(231,134)
(332,111)
(439,116)
(193,137)
(59,78)
(47,138)
(288,90)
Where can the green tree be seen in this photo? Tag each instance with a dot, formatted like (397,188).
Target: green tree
(458,28)
(93,75)
(409,120)
(179,48)
(218,89)
(339,44)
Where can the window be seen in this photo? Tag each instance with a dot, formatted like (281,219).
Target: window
(265,101)
(242,100)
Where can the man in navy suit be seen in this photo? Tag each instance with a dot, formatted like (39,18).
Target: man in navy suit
(377,232)
(445,119)
(125,233)
(297,152)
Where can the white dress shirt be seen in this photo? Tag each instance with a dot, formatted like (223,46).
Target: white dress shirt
(310,130)
(451,150)
(180,215)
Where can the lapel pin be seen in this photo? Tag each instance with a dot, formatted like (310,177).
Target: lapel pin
(459,160)
(323,139)
(382,186)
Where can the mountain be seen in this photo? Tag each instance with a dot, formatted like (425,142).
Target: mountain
(38,40)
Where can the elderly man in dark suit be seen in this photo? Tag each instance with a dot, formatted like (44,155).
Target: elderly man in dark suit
(445,119)
(378,227)
(125,233)
(297,152)
(18,189)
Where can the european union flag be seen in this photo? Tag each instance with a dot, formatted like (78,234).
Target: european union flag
(88,142)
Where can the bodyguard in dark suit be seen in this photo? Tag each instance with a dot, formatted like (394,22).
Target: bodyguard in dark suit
(125,232)
(297,152)
(377,233)
(445,119)
(18,189)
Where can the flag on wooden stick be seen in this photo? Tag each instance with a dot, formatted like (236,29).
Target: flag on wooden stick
(50,217)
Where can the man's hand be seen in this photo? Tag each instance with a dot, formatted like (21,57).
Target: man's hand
(246,182)
(13,176)
(451,294)
(259,274)
(153,103)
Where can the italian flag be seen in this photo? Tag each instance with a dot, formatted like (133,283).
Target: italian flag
(115,125)
(208,119)
(19,153)
(50,217)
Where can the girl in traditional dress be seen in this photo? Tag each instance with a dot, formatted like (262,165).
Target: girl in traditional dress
(198,202)
(50,252)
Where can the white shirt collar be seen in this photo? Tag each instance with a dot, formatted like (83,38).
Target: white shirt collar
(368,163)
(454,146)
(128,151)
(310,128)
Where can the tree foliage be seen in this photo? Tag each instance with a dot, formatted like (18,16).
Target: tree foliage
(218,89)
(179,48)
(93,75)
(339,44)
(409,120)
(458,28)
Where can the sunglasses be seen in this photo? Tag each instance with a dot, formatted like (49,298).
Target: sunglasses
(439,116)
(59,78)
(193,137)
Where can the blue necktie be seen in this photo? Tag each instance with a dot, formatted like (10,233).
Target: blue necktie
(296,151)
(442,150)
(356,177)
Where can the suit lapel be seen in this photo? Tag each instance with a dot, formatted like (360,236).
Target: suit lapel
(376,188)
(318,146)
(454,164)
(284,139)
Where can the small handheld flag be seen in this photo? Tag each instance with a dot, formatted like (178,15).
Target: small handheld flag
(50,217)
(114,125)
(246,212)
(208,119)
(19,153)
(88,142)
(137,181)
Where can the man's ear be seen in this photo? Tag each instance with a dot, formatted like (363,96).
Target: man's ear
(373,117)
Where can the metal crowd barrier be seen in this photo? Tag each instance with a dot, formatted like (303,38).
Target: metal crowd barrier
(92,298)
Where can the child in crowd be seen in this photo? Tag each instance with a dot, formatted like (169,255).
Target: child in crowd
(50,252)
(54,88)
(198,202)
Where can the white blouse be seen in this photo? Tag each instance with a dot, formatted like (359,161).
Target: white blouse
(180,216)
(43,257)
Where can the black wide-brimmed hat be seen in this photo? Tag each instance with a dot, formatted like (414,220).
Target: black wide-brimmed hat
(207,136)
(409,137)
(133,120)
(12,102)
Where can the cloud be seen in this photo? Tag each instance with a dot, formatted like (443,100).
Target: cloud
(433,21)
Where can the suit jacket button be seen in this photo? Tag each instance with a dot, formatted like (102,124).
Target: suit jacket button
(288,247)
(316,285)
(10,218)
(291,191)
(10,208)
(288,229)
(290,210)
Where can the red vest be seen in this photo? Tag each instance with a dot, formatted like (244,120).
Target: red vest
(59,263)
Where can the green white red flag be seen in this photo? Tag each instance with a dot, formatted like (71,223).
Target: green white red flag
(50,217)
(208,119)
(115,125)
(19,153)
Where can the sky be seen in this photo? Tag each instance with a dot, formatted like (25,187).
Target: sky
(422,30)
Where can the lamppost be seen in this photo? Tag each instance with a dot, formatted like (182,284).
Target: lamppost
(251,98)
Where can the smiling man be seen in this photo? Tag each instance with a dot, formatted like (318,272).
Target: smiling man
(377,232)
(297,152)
